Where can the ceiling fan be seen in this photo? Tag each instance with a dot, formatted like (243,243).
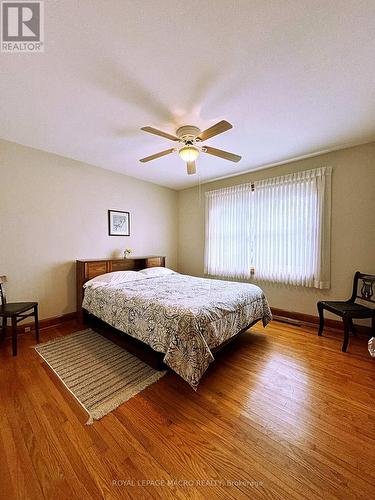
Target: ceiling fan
(189,148)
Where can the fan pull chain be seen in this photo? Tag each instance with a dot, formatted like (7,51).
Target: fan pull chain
(199,188)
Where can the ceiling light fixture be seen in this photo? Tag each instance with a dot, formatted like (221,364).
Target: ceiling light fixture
(189,153)
(190,140)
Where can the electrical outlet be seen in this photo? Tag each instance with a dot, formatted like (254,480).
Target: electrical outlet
(27,329)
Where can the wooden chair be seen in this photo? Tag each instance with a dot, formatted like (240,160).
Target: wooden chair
(16,311)
(349,309)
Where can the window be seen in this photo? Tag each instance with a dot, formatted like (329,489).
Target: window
(277,229)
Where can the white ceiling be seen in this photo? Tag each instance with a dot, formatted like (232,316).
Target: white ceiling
(293,76)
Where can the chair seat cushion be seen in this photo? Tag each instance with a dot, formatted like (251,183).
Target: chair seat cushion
(12,308)
(351,308)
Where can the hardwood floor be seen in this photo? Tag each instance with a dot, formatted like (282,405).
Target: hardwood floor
(283,414)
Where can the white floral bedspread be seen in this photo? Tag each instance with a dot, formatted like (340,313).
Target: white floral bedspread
(178,315)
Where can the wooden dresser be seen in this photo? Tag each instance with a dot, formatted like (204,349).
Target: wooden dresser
(88,269)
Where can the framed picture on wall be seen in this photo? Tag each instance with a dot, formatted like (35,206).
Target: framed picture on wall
(118,223)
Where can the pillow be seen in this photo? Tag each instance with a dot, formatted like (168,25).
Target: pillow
(114,278)
(152,272)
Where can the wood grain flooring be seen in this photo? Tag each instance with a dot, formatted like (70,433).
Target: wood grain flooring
(282,414)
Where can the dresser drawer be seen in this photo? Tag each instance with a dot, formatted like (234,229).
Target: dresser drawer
(95,269)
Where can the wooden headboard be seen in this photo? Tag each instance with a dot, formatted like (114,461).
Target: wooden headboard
(88,269)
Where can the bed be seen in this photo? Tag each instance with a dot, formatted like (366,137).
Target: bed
(183,317)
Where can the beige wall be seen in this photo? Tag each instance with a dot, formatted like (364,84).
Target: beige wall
(54,210)
(353,225)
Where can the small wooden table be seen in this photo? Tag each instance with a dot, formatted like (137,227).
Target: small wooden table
(18,311)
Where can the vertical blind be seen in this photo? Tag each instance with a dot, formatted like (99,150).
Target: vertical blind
(276,230)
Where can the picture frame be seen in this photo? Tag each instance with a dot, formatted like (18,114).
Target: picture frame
(118,223)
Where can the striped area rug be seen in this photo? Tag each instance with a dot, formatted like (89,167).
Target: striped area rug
(100,374)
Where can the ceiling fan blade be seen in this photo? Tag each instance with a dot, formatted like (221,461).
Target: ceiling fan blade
(157,155)
(221,154)
(191,167)
(219,128)
(155,131)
